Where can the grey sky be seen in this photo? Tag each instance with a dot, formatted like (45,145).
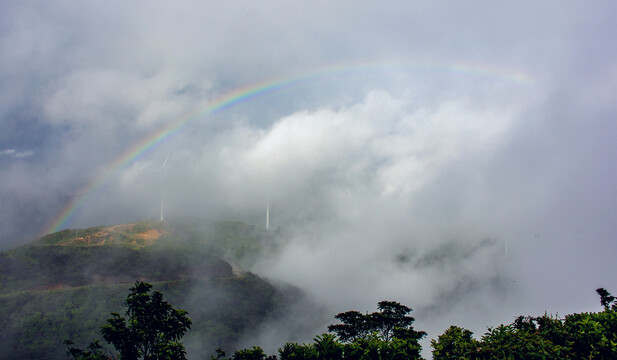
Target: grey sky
(449,131)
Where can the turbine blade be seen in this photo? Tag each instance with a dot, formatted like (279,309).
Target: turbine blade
(166,158)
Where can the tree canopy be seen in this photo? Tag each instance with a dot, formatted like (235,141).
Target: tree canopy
(577,336)
(152,331)
(392,320)
(153,328)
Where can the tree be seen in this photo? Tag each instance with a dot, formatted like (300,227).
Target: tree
(455,343)
(293,351)
(606,299)
(355,325)
(256,353)
(577,336)
(152,332)
(94,351)
(393,319)
(387,333)
(327,347)
(153,329)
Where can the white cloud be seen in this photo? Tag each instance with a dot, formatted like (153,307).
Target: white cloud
(23,154)
(16,154)
(380,140)
(90,97)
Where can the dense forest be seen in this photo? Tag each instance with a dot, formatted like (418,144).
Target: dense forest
(154,330)
(389,334)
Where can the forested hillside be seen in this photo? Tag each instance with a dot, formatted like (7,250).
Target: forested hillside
(64,285)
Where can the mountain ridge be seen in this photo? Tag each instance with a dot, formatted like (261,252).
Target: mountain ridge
(65,284)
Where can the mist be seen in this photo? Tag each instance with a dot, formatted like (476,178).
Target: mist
(456,158)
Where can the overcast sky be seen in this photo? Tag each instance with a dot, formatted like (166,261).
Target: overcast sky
(458,156)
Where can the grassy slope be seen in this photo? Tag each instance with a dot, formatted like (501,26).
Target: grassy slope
(64,285)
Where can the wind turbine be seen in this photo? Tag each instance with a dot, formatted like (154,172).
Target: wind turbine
(161,171)
(268,216)
(506,249)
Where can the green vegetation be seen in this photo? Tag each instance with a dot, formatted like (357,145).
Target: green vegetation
(388,334)
(45,267)
(577,336)
(327,347)
(391,321)
(153,329)
(64,285)
(34,323)
(385,334)
(229,240)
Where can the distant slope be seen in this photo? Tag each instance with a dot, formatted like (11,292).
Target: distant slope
(233,241)
(65,284)
(136,235)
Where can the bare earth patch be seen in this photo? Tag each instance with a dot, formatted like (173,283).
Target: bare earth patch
(114,234)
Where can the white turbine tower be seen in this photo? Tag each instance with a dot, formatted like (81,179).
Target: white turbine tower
(268,216)
(506,249)
(161,172)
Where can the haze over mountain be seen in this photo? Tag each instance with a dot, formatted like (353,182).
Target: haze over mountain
(457,157)
(65,285)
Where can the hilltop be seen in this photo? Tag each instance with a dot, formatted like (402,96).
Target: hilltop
(135,235)
(65,284)
(219,236)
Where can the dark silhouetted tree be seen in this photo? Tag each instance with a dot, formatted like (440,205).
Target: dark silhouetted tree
(94,352)
(577,336)
(152,331)
(392,321)
(455,343)
(153,328)
(606,299)
(354,325)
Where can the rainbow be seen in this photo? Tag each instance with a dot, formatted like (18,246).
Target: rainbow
(246,93)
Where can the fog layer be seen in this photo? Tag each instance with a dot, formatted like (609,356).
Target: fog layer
(457,157)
